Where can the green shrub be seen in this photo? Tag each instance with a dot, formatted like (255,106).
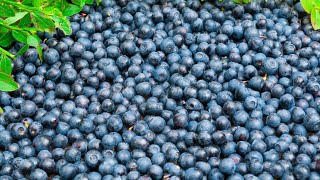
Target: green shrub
(20,21)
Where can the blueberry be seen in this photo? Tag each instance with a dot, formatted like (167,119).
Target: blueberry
(77,49)
(93,158)
(51,56)
(38,174)
(68,171)
(227,166)
(28,108)
(193,173)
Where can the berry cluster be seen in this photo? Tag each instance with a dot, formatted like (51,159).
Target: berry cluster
(168,90)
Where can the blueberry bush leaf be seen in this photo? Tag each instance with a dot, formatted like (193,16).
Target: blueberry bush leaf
(39,49)
(6,11)
(21,20)
(71,9)
(19,36)
(5,65)
(25,21)
(22,50)
(32,41)
(6,39)
(1,110)
(315,18)
(63,24)
(17,17)
(307,5)
(43,22)
(7,83)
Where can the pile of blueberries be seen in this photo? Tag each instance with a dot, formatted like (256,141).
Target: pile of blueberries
(177,89)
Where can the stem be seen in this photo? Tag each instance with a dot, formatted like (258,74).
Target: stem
(9,27)
(5,52)
(29,29)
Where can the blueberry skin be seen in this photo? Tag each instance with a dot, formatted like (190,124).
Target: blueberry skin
(311,122)
(227,166)
(143,164)
(51,56)
(193,173)
(93,158)
(39,174)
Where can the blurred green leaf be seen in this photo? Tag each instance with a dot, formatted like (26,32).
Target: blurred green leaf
(36,3)
(79,2)
(63,24)
(40,20)
(315,18)
(7,83)
(27,2)
(6,39)
(3,29)
(19,36)
(237,1)
(307,5)
(15,18)
(89,1)
(39,49)
(22,50)
(32,41)
(316,3)
(5,65)
(61,4)
(6,11)
(98,2)
(1,110)
(71,9)
(25,21)
(53,11)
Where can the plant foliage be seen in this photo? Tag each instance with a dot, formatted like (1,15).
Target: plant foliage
(313,8)
(21,20)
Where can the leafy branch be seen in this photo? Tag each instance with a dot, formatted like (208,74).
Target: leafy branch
(21,20)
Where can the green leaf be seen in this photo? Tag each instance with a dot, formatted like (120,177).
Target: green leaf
(36,3)
(1,110)
(89,1)
(39,49)
(3,29)
(6,39)
(71,9)
(6,11)
(7,83)
(22,50)
(5,65)
(98,2)
(315,18)
(307,5)
(52,11)
(32,41)
(238,1)
(63,24)
(79,2)
(316,3)
(15,18)
(41,21)
(61,4)
(25,21)
(27,2)
(19,36)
